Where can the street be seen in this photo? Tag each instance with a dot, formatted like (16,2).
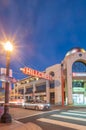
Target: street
(55,119)
(64,119)
(67,119)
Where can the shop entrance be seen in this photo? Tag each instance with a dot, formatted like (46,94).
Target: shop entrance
(78,92)
(79,82)
(78,99)
(52,98)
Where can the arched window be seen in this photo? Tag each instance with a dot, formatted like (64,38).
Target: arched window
(78,66)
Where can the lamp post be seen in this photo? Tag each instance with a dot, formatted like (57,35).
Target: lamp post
(6,117)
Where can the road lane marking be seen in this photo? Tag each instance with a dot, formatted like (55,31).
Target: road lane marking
(64,124)
(68,113)
(69,117)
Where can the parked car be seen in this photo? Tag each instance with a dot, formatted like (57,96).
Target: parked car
(36,105)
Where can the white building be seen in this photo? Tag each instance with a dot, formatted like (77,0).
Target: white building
(67,87)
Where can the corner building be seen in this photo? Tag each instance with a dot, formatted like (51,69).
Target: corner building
(68,84)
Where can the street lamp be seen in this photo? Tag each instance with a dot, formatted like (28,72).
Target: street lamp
(6,117)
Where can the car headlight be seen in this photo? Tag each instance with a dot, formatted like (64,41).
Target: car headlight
(22,104)
(41,105)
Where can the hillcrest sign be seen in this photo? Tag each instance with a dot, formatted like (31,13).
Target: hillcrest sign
(35,73)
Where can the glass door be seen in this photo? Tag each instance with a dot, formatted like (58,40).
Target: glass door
(78,99)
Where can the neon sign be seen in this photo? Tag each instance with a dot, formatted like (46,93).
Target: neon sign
(29,71)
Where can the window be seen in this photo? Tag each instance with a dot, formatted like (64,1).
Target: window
(29,90)
(78,84)
(52,85)
(52,73)
(21,91)
(79,67)
(41,88)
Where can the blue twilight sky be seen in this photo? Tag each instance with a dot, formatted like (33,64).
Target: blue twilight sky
(43,31)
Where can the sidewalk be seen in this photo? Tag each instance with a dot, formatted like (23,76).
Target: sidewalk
(15,125)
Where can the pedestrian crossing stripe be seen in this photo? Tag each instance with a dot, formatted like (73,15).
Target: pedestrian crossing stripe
(83,112)
(69,117)
(61,123)
(77,114)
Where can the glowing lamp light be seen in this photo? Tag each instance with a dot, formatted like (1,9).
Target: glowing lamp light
(8,46)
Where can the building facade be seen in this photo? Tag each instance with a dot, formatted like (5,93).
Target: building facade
(67,87)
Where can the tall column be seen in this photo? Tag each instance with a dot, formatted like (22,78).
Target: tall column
(58,92)
(24,93)
(47,91)
(34,89)
(69,83)
(17,92)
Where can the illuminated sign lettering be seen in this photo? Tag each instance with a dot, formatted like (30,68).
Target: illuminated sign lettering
(29,71)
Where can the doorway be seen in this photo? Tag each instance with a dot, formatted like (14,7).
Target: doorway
(78,99)
(52,98)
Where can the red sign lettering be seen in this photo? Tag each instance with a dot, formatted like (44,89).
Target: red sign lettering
(29,71)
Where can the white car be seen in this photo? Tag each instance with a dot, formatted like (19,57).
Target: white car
(37,105)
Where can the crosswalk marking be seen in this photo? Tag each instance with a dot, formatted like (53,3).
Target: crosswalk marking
(64,124)
(69,117)
(68,113)
(83,112)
